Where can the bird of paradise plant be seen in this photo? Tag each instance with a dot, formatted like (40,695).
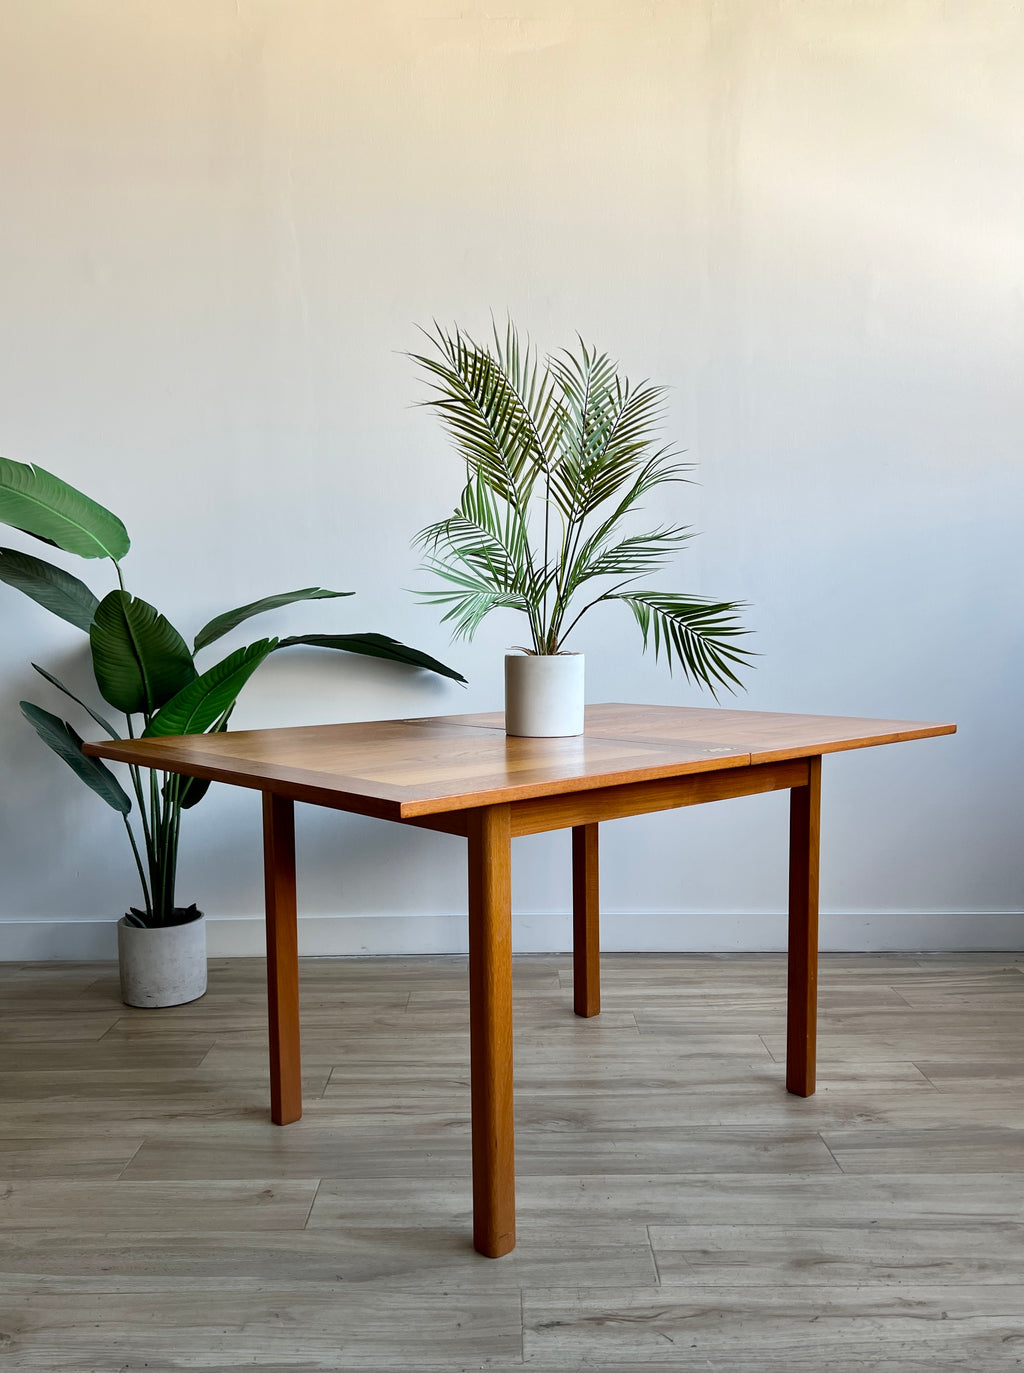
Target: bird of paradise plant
(143,667)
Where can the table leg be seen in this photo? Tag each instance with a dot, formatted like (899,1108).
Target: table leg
(282,959)
(490,1023)
(586,949)
(802,1018)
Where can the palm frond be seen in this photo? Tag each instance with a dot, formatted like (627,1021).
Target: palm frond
(658,470)
(636,555)
(490,545)
(611,430)
(470,602)
(695,633)
(498,434)
(533,388)
(632,424)
(586,386)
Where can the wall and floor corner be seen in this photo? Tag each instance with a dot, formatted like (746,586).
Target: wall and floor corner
(223,220)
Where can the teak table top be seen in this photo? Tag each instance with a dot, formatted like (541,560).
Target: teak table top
(404,769)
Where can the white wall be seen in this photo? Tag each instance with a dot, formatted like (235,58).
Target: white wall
(221,222)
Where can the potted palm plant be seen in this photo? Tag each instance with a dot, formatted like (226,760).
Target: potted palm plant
(560,455)
(146,671)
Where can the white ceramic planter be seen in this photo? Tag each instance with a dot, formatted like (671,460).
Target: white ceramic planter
(544,694)
(162,967)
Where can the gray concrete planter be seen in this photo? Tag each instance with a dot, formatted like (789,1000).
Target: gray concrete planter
(162,967)
(544,695)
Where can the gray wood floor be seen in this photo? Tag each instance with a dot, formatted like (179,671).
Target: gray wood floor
(676,1206)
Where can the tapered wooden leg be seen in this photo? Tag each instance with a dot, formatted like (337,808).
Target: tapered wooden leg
(282,959)
(490,1018)
(586,943)
(802,1021)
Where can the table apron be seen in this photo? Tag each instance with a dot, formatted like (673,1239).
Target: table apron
(542,813)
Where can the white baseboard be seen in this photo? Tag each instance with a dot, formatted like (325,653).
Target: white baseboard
(91,940)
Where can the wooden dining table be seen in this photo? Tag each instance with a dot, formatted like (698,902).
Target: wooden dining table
(461,774)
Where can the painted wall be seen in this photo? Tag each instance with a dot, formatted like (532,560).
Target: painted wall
(221,223)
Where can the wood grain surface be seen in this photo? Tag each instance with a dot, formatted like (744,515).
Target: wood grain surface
(769,735)
(490,1014)
(282,931)
(802,982)
(402,769)
(586,921)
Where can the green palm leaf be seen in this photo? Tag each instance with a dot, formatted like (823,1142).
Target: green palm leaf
(610,439)
(479,540)
(636,555)
(532,387)
(483,409)
(560,456)
(474,598)
(139,658)
(203,701)
(585,411)
(53,588)
(695,633)
(471,603)
(231,619)
(67,744)
(656,471)
(374,646)
(37,502)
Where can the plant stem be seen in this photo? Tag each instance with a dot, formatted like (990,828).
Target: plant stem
(547,527)
(138,863)
(147,833)
(136,777)
(148,821)
(156,852)
(172,864)
(608,595)
(171,814)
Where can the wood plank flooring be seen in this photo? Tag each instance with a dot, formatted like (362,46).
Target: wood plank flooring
(677,1208)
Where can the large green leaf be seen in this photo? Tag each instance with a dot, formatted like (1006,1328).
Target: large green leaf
(191,790)
(201,704)
(231,619)
(67,743)
(100,720)
(55,590)
(37,502)
(139,658)
(374,646)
